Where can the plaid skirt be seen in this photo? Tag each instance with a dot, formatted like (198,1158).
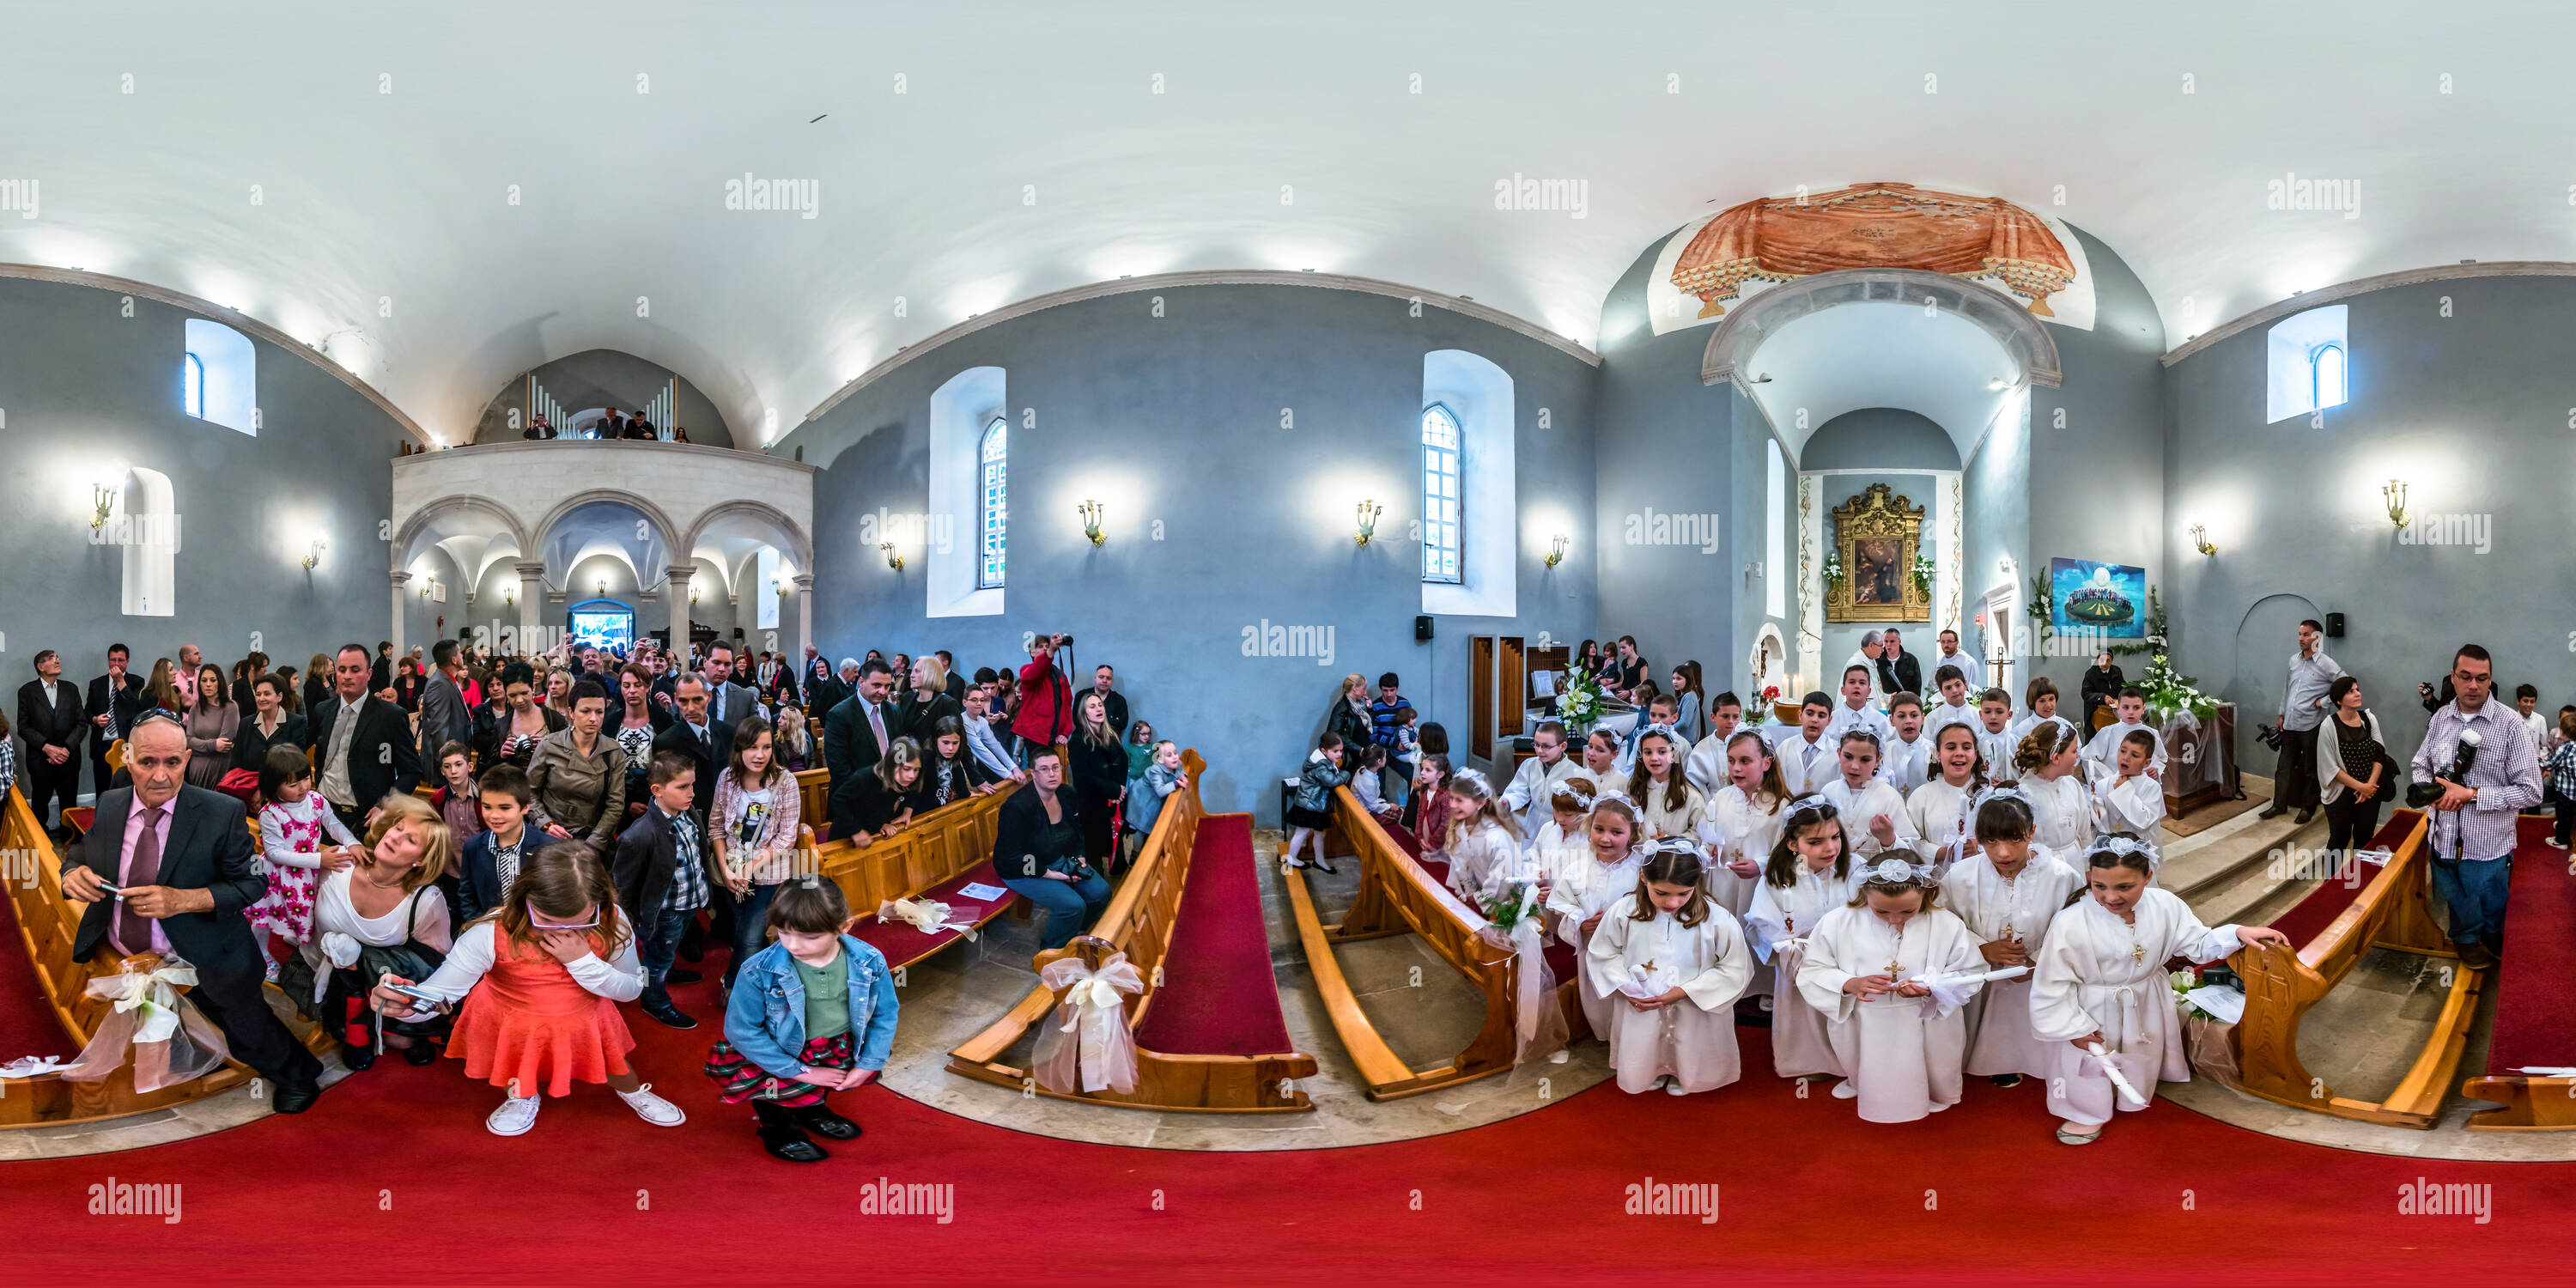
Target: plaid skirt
(737,1079)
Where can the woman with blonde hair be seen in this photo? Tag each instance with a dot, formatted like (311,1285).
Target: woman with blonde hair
(387,903)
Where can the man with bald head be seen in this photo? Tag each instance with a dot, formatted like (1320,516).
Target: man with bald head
(180,864)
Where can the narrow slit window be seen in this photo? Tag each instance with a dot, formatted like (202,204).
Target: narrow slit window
(1441,456)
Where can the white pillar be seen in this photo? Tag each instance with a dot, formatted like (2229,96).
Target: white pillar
(678,590)
(532,597)
(804,616)
(399,577)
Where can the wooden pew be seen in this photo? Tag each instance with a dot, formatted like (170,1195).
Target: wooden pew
(1397,896)
(936,857)
(2393,911)
(1141,921)
(47,923)
(2530,1029)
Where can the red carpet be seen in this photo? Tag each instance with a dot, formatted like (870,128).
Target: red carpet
(27,1023)
(1219,996)
(2327,902)
(2535,1018)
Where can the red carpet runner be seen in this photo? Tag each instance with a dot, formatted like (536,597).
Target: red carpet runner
(1219,996)
(2535,1017)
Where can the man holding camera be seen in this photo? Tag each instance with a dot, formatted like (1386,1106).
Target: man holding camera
(2303,712)
(2478,754)
(1046,700)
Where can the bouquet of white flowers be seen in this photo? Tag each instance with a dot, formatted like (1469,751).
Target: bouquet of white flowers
(1580,705)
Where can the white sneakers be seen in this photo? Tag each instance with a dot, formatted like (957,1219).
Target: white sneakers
(515,1116)
(652,1108)
(1844,1090)
(519,1113)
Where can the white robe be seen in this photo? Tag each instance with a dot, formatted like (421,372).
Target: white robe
(1800,776)
(1942,820)
(1732,827)
(2061,813)
(1858,807)
(2099,974)
(1577,894)
(1941,714)
(2104,750)
(1551,852)
(1904,1063)
(1705,767)
(1998,750)
(1482,862)
(2134,806)
(2021,728)
(1532,783)
(1693,1039)
(1868,719)
(2020,907)
(1906,765)
(1800,1043)
(1659,819)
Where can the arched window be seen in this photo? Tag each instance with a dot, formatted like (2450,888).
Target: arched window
(2326,370)
(192,385)
(994,505)
(1441,441)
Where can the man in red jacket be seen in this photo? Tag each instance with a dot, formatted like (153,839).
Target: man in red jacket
(1046,702)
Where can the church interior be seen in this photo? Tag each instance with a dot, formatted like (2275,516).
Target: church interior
(1852,643)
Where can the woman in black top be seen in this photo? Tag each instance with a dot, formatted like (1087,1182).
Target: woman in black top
(1099,775)
(268,707)
(408,682)
(948,773)
(317,680)
(882,803)
(1632,671)
(1349,715)
(509,734)
(2354,767)
(2102,683)
(1037,851)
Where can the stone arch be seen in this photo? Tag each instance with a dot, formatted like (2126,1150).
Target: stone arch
(652,513)
(413,528)
(1999,315)
(797,545)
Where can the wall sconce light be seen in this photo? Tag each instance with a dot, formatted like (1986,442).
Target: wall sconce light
(1091,512)
(510,596)
(603,588)
(2395,494)
(1556,550)
(893,560)
(2200,540)
(102,500)
(1369,511)
(693,596)
(314,557)
(426,583)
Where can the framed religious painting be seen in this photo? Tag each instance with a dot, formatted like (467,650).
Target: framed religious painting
(1877,537)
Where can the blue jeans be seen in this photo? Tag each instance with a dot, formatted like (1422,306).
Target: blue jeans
(657,942)
(2474,891)
(1070,905)
(750,927)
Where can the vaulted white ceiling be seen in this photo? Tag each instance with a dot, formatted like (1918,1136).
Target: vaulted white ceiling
(1036,147)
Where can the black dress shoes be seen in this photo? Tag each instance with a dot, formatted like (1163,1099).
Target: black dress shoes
(828,1125)
(681,975)
(2273,811)
(792,1146)
(357,1058)
(419,1053)
(295,1099)
(668,1014)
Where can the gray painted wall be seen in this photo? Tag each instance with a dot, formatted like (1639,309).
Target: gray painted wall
(602,378)
(2296,512)
(1183,412)
(1881,438)
(86,384)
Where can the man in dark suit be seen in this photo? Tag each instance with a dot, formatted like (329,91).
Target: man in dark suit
(115,703)
(728,699)
(444,717)
(956,682)
(362,746)
(858,731)
(610,426)
(1898,670)
(49,718)
(705,744)
(183,860)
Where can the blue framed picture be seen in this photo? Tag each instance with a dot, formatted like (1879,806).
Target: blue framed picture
(2097,599)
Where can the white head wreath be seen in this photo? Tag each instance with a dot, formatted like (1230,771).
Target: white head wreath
(2000,794)
(1899,872)
(1812,801)
(2125,845)
(1476,779)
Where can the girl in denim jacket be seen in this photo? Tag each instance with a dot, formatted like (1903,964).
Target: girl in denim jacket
(811,1014)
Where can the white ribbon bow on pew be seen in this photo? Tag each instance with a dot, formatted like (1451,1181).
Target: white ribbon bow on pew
(170,1040)
(929,916)
(1538,1025)
(1087,1045)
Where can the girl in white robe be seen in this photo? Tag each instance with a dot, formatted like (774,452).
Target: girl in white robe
(2100,980)
(1672,964)
(1939,809)
(2060,807)
(1563,842)
(1742,826)
(2007,893)
(1484,843)
(1580,896)
(1873,811)
(1872,965)
(1808,876)
(1666,802)
(2131,800)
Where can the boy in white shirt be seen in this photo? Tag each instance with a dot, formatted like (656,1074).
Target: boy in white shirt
(1854,712)
(1954,707)
(1906,756)
(2041,695)
(1993,741)
(2104,751)
(1537,777)
(1806,758)
(1873,813)
(1706,768)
